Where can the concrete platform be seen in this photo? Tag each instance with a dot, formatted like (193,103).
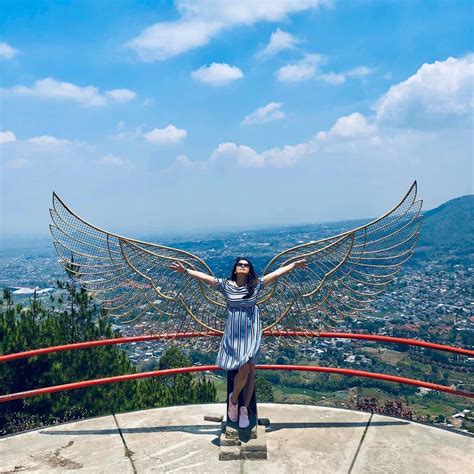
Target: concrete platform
(300,439)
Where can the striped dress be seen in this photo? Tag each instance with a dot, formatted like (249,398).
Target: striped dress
(243,329)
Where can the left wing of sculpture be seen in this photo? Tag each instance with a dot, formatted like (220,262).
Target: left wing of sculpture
(344,273)
(133,279)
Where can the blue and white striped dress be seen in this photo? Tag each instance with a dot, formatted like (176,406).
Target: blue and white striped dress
(243,329)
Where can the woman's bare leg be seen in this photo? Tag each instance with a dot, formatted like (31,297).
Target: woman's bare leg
(250,385)
(239,382)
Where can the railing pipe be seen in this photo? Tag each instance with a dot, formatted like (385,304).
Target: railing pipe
(182,370)
(187,335)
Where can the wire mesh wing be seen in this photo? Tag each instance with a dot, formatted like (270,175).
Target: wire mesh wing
(319,296)
(133,279)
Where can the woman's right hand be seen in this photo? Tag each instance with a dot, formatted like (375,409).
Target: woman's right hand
(178,266)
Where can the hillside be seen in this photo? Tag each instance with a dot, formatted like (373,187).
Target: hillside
(447,232)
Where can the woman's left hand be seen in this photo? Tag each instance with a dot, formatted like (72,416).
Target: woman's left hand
(300,263)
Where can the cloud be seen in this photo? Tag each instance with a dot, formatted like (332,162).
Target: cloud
(309,68)
(360,71)
(302,70)
(169,134)
(247,157)
(88,96)
(351,126)
(267,113)
(438,89)
(7,137)
(434,95)
(279,41)
(184,162)
(113,160)
(48,140)
(347,131)
(7,52)
(336,79)
(217,74)
(165,40)
(333,78)
(201,20)
(120,95)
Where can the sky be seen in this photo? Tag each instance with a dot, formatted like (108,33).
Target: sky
(161,117)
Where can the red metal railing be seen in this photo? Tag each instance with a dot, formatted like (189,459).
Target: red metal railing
(158,373)
(182,370)
(185,335)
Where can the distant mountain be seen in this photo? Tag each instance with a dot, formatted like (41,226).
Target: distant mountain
(447,232)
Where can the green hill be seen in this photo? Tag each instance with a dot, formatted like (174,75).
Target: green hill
(447,233)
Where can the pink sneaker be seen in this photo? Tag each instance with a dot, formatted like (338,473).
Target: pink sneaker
(233,410)
(244,418)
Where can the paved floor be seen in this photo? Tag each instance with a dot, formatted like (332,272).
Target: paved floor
(300,439)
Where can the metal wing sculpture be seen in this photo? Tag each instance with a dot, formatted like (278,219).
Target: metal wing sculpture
(135,284)
(345,273)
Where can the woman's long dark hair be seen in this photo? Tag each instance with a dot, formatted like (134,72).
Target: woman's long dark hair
(252,278)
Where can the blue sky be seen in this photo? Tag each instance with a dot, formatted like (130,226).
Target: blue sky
(168,117)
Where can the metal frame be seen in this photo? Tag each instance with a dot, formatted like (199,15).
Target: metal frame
(133,281)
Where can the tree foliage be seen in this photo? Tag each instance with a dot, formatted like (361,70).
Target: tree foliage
(263,390)
(36,327)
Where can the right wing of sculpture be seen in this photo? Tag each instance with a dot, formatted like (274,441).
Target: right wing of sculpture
(133,279)
(345,273)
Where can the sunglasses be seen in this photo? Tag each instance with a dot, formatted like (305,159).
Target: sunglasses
(243,265)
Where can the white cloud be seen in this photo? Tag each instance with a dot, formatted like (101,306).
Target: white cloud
(169,134)
(302,70)
(336,79)
(347,132)
(435,94)
(113,160)
(88,96)
(217,74)
(165,40)
(333,78)
(267,113)
(201,20)
(120,95)
(48,140)
(7,137)
(7,51)
(184,162)
(351,126)
(360,71)
(247,157)
(279,41)
(289,155)
(440,89)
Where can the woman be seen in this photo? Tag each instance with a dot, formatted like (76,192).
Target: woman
(243,330)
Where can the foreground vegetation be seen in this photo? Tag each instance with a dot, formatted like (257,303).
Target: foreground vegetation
(23,329)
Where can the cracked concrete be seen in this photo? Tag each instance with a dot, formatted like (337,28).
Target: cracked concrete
(300,439)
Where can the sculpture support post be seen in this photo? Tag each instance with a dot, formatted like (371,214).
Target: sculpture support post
(252,408)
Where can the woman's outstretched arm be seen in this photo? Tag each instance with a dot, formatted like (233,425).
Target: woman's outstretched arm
(281,271)
(178,266)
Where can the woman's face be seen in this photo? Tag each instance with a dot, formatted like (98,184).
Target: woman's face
(242,268)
